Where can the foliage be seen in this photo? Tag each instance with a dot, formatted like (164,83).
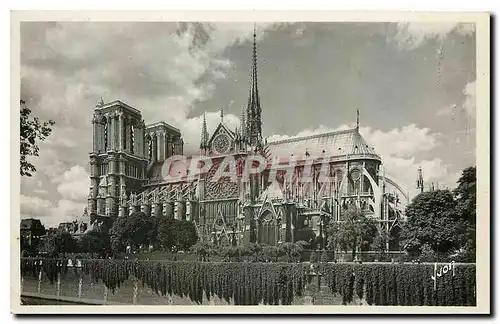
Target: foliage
(184,234)
(204,250)
(325,257)
(356,231)
(95,242)
(269,253)
(465,194)
(314,257)
(131,231)
(432,220)
(32,130)
(379,243)
(444,220)
(332,240)
(291,251)
(279,283)
(60,243)
(164,233)
(428,254)
(255,252)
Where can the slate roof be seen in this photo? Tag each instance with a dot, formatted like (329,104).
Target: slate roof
(333,144)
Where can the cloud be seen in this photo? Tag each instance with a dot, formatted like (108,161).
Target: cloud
(74,184)
(470,99)
(34,206)
(160,68)
(465,109)
(403,142)
(72,187)
(411,35)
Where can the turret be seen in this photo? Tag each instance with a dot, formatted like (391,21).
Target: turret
(420,180)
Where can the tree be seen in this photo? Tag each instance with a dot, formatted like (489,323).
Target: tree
(314,257)
(355,231)
(428,254)
(94,241)
(131,231)
(379,243)
(184,234)
(433,220)
(270,253)
(291,251)
(204,250)
(61,242)
(32,130)
(165,233)
(332,237)
(465,195)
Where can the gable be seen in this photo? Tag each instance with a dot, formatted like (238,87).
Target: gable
(221,129)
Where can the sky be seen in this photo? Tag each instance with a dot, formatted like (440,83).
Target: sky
(413,83)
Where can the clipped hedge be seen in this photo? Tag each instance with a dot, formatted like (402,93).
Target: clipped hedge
(401,284)
(277,283)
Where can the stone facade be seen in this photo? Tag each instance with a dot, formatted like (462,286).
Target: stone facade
(130,169)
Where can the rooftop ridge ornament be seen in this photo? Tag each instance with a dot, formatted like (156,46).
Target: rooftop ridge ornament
(100,103)
(357,118)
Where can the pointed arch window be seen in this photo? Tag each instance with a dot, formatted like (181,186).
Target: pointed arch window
(105,126)
(132,138)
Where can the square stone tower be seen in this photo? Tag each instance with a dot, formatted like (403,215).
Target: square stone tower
(118,159)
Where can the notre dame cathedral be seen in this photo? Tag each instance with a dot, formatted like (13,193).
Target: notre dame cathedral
(129,161)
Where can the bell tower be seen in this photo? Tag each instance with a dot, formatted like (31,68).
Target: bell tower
(117,160)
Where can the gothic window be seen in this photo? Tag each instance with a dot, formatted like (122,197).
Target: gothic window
(149,147)
(355,176)
(105,122)
(221,144)
(132,139)
(124,132)
(337,174)
(103,169)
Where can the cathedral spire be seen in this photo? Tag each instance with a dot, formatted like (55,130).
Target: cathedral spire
(254,122)
(204,134)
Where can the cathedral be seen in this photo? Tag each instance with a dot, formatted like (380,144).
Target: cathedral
(131,170)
